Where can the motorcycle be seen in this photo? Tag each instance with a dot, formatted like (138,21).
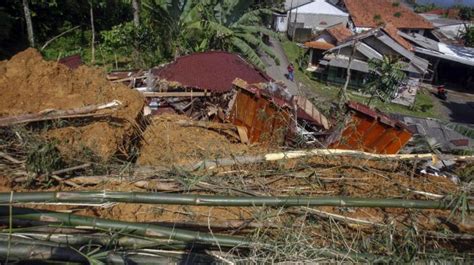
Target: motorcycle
(442,93)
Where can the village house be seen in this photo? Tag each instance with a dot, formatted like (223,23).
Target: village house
(446,30)
(325,40)
(451,64)
(370,14)
(373,44)
(308,17)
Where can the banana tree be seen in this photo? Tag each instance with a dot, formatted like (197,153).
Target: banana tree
(192,26)
(231,25)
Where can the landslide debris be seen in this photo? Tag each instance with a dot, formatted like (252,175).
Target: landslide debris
(29,84)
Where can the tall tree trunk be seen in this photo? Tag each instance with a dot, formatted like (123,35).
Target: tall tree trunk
(29,23)
(93,33)
(343,92)
(136,12)
(136,4)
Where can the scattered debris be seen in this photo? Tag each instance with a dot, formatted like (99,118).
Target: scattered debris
(31,85)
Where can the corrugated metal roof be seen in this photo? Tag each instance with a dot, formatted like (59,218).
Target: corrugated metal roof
(213,71)
(420,40)
(382,117)
(447,138)
(368,51)
(344,63)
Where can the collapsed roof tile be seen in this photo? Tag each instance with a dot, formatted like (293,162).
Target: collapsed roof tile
(213,71)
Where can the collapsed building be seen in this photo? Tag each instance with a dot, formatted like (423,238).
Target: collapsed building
(222,87)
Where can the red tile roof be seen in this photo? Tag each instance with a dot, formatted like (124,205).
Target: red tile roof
(320,45)
(213,70)
(339,32)
(365,13)
(393,33)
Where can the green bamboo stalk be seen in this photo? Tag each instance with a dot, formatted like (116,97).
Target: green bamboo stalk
(211,200)
(147,230)
(21,251)
(96,238)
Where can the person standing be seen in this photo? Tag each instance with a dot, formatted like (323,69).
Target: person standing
(291,72)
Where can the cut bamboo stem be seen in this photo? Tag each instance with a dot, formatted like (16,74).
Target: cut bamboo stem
(242,160)
(101,197)
(82,112)
(16,251)
(147,230)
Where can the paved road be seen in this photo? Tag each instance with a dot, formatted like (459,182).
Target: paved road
(278,72)
(459,107)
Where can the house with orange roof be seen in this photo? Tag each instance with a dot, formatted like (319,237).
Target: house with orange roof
(370,14)
(325,40)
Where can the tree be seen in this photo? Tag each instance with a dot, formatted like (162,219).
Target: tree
(136,4)
(232,26)
(466,13)
(91,12)
(29,23)
(468,36)
(212,24)
(385,77)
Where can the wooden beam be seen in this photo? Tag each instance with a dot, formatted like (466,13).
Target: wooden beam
(175,94)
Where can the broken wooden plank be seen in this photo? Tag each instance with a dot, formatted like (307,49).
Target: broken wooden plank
(243,134)
(175,94)
(50,114)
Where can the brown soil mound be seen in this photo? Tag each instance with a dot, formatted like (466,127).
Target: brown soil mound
(30,84)
(167,143)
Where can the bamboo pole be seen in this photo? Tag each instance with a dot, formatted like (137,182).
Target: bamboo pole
(81,112)
(101,197)
(17,251)
(147,230)
(58,239)
(242,160)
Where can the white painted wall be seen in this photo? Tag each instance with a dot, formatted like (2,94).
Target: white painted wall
(280,23)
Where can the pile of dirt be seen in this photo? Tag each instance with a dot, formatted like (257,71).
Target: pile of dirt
(168,143)
(30,84)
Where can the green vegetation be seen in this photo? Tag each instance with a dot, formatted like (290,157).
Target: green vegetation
(466,13)
(468,36)
(424,8)
(385,76)
(115,34)
(423,103)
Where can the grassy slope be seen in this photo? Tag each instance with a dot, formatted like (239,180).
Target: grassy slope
(423,105)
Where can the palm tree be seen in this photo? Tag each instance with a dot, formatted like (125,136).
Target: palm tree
(192,25)
(385,77)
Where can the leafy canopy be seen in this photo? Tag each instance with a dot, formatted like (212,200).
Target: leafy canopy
(385,77)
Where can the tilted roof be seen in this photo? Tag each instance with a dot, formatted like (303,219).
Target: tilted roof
(212,70)
(373,13)
(320,45)
(393,33)
(339,31)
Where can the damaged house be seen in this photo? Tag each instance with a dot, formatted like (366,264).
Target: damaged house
(373,44)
